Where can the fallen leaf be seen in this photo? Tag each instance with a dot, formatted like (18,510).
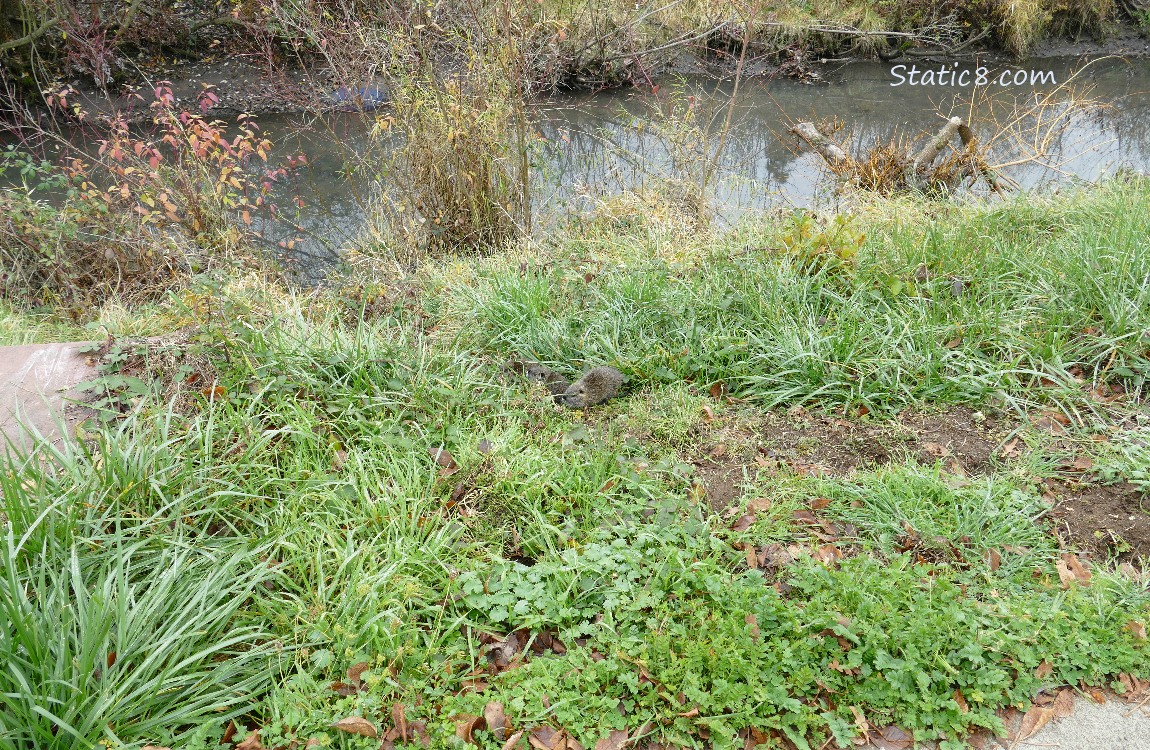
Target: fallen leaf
(615,740)
(1137,629)
(541,738)
(1044,670)
(708,413)
(690,714)
(355,671)
(356,725)
(718,390)
(399,719)
(445,460)
(466,725)
(753,622)
(806,517)
(1070,568)
(993,559)
(497,722)
(251,742)
(963,706)
(893,738)
(860,721)
(744,522)
(759,504)
(513,740)
(484,446)
(1082,464)
(819,503)
(828,555)
(1010,450)
(953,343)
(1033,720)
(1063,704)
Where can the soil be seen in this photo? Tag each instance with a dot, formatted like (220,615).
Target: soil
(1105,520)
(964,440)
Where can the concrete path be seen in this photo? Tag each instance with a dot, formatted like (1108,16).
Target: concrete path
(1113,725)
(37,388)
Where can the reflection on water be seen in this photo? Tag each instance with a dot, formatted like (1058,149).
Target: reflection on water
(596,144)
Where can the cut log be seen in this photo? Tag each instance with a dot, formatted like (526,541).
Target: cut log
(970,143)
(834,154)
(932,149)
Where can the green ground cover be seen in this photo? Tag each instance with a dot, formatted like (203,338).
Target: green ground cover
(320,514)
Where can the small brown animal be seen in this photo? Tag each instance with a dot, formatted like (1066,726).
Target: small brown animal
(595,387)
(553,381)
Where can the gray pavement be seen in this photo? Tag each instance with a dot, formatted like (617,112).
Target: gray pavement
(37,390)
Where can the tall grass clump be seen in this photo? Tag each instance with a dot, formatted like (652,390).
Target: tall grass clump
(971,305)
(114,637)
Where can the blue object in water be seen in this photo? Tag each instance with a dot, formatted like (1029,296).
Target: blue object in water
(366,98)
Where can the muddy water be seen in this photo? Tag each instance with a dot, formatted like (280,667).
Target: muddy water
(595,145)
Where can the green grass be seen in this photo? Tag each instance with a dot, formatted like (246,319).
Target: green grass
(1045,287)
(240,553)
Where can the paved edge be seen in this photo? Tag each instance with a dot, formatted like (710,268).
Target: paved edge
(38,391)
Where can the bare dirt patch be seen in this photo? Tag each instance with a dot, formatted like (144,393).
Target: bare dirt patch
(1105,520)
(965,440)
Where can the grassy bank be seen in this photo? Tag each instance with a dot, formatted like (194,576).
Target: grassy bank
(340,517)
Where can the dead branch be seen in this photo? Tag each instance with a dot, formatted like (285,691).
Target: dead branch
(833,153)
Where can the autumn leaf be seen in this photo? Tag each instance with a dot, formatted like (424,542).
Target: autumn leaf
(445,460)
(1035,719)
(545,738)
(744,522)
(860,722)
(718,390)
(496,721)
(513,740)
(1045,669)
(466,725)
(1063,704)
(251,742)
(963,706)
(1071,569)
(484,446)
(993,559)
(615,740)
(819,503)
(356,725)
(1137,629)
(893,738)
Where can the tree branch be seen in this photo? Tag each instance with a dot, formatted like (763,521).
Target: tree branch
(31,37)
